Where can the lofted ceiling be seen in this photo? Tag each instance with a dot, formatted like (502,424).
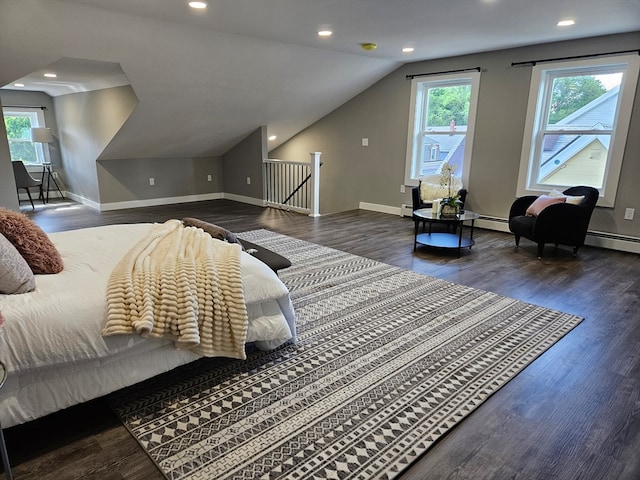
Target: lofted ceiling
(205,79)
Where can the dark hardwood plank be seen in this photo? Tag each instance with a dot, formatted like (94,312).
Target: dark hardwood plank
(573,413)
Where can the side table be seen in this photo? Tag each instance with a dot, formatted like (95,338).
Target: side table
(444,240)
(3,447)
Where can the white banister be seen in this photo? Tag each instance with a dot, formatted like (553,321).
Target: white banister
(315,184)
(293,185)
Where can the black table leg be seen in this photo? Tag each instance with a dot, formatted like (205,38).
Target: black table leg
(5,457)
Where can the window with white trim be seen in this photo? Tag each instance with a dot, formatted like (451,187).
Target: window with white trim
(18,122)
(441,124)
(577,124)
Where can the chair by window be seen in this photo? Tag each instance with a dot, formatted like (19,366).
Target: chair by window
(563,221)
(26,181)
(418,202)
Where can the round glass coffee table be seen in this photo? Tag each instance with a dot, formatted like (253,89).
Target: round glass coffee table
(446,240)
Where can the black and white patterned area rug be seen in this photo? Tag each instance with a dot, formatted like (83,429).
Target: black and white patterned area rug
(387,361)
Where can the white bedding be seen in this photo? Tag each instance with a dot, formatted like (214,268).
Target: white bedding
(52,347)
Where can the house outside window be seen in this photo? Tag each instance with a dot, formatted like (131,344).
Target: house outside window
(577,124)
(441,124)
(18,122)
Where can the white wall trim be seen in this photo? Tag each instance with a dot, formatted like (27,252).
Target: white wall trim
(613,242)
(82,200)
(103,207)
(23,197)
(493,223)
(374,207)
(609,241)
(242,199)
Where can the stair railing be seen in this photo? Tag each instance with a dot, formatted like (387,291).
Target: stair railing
(293,186)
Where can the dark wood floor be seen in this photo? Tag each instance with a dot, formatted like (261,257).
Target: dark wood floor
(572,414)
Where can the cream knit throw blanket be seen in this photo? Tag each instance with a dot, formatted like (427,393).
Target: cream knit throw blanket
(179,283)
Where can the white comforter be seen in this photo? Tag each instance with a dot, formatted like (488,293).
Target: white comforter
(54,331)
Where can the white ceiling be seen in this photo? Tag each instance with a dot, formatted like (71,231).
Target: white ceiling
(205,79)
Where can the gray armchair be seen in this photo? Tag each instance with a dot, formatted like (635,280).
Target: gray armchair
(26,181)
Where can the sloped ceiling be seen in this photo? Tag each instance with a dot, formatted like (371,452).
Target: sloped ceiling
(207,79)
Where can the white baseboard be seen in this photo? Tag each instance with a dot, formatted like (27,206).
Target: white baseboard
(493,223)
(103,207)
(406,210)
(23,197)
(242,199)
(610,241)
(82,200)
(374,207)
(613,241)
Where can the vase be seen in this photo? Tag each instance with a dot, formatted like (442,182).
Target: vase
(449,211)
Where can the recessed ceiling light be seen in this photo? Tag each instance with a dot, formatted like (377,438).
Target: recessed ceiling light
(198,5)
(272,138)
(18,84)
(566,23)
(325,33)
(408,49)
(50,75)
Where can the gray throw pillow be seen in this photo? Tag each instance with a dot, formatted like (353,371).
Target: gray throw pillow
(212,229)
(15,274)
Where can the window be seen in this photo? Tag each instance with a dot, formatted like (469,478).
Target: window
(577,124)
(441,120)
(18,122)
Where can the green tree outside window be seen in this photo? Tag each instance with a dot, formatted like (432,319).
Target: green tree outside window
(19,136)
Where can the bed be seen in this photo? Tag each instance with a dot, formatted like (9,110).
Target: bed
(52,344)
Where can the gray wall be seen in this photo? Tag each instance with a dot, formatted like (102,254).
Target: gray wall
(351,173)
(87,122)
(373,174)
(34,99)
(83,124)
(245,160)
(8,194)
(125,180)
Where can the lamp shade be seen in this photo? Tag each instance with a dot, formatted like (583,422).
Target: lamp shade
(41,135)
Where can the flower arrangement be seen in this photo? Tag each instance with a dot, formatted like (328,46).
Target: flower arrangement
(452,201)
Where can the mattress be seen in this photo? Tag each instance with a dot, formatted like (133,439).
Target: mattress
(52,348)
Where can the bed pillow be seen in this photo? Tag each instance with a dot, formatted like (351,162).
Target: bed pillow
(214,230)
(542,202)
(31,241)
(15,274)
